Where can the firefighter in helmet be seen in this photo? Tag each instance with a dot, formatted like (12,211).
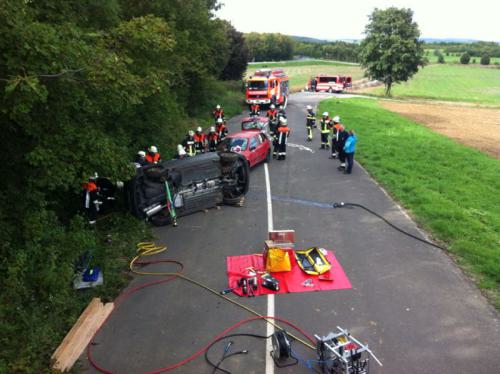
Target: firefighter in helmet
(335,136)
(200,141)
(188,143)
(254,109)
(153,157)
(220,128)
(283,133)
(325,130)
(218,112)
(212,139)
(91,201)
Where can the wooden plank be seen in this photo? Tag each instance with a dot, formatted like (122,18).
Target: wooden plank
(80,334)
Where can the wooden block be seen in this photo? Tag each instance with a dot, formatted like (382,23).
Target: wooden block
(80,334)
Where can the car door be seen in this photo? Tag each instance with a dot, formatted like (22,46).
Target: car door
(254,150)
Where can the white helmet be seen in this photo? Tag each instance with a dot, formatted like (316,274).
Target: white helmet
(336,119)
(217,107)
(179,148)
(283,120)
(141,154)
(272,106)
(199,129)
(181,152)
(212,129)
(308,107)
(220,120)
(153,149)
(325,114)
(190,132)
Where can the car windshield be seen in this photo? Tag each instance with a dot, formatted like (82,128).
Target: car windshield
(237,144)
(252,125)
(257,85)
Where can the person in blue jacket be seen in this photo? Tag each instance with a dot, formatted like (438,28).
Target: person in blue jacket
(349,149)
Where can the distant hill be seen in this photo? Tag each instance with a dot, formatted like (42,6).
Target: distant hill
(306,39)
(448,40)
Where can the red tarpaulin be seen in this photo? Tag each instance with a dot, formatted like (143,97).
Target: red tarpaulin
(290,281)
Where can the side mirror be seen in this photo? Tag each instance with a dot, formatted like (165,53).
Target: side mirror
(253,148)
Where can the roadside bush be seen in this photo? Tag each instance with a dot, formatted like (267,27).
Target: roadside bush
(485,59)
(441,59)
(465,58)
(473,60)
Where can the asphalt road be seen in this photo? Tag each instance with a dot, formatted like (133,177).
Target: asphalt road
(409,302)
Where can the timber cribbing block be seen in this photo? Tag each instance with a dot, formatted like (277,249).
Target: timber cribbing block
(80,334)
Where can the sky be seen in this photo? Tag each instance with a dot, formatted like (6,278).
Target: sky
(331,19)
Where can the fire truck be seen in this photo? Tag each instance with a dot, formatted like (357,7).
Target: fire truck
(329,83)
(267,86)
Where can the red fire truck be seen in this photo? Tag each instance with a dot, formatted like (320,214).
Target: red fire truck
(266,87)
(329,83)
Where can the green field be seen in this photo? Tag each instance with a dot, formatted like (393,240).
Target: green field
(452,190)
(453,83)
(455,58)
(300,71)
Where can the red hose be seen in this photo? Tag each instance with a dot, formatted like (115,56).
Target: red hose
(130,292)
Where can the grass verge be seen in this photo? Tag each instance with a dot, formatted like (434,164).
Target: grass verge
(452,190)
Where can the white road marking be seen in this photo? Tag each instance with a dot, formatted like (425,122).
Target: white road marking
(300,147)
(270,298)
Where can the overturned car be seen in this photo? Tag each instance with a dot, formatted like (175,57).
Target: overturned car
(164,191)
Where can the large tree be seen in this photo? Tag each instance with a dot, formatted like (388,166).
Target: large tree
(238,54)
(391,51)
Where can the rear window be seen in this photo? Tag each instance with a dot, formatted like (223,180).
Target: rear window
(328,80)
(250,125)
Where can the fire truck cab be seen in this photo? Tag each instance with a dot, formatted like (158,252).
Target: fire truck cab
(267,87)
(329,83)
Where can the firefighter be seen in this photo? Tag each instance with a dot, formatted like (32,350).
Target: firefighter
(200,141)
(325,130)
(153,157)
(314,83)
(254,109)
(218,112)
(282,135)
(335,136)
(310,122)
(188,143)
(272,114)
(221,128)
(140,159)
(91,200)
(181,153)
(212,140)
(281,112)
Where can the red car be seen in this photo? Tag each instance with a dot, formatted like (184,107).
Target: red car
(252,144)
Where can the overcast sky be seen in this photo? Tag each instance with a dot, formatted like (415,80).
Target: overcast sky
(330,19)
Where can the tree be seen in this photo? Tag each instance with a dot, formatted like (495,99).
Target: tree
(269,47)
(465,58)
(391,51)
(485,59)
(238,54)
(441,59)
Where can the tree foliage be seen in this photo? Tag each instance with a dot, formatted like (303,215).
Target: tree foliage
(338,50)
(465,58)
(485,59)
(84,84)
(391,51)
(269,46)
(238,54)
